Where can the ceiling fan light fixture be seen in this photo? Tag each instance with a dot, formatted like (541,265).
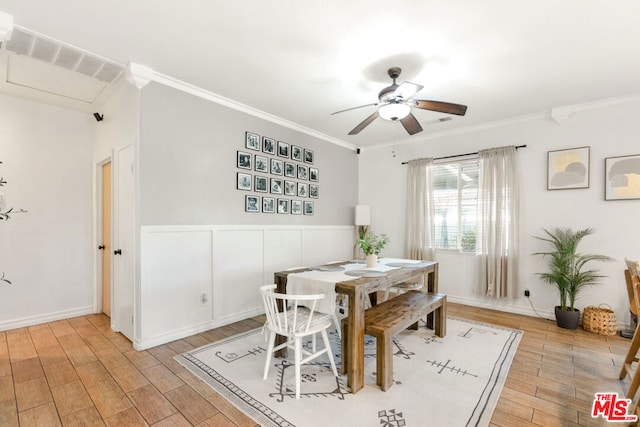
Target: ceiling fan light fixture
(393,111)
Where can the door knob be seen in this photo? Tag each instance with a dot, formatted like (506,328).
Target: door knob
(101,247)
(117,252)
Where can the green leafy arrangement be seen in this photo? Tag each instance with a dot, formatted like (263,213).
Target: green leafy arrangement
(373,244)
(568,270)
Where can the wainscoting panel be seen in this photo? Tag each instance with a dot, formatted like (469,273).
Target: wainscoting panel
(195,278)
(323,245)
(238,271)
(282,250)
(177,278)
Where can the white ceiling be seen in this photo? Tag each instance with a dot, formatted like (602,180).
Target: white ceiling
(301,60)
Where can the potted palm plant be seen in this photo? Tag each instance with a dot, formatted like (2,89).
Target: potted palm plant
(371,245)
(568,271)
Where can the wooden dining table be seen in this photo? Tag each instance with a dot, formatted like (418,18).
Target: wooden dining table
(357,290)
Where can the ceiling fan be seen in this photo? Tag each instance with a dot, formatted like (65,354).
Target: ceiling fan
(395,103)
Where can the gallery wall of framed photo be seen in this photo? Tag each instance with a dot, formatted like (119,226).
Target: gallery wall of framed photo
(278,176)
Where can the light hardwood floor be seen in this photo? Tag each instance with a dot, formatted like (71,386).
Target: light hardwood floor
(78,372)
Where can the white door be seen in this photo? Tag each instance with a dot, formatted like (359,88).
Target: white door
(124,243)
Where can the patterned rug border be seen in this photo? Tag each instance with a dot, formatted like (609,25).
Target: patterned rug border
(265,416)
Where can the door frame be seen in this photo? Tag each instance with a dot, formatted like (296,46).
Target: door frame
(97,212)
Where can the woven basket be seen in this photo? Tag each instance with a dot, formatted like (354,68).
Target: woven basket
(599,320)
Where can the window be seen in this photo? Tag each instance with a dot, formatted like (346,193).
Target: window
(455,192)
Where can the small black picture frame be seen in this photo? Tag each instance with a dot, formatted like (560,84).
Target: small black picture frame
(290,188)
(283,206)
(268,205)
(261,164)
(252,141)
(260,183)
(308,207)
(289,170)
(283,149)
(303,172)
(308,156)
(296,153)
(276,167)
(268,145)
(313,174)
(296,207)
(252,204)
(303,189)
(314,191)
(276,186)
(244,160)
(243,181)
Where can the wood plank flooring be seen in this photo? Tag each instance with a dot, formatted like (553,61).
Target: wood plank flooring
(78,372)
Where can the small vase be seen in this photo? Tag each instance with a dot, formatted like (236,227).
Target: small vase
(372,260)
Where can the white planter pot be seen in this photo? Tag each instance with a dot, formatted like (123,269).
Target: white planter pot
(372,260)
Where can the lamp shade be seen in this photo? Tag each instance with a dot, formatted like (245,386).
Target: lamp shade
(393,111)
(363,215)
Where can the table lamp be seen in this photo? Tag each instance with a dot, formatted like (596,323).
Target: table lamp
(362,219)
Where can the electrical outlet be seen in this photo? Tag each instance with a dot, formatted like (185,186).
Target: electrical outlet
(527,293)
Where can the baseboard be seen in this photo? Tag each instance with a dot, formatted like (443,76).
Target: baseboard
(545,314)
(44,318)
(506,308)
(194,329)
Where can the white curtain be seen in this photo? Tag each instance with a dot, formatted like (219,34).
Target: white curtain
(419,230)
(497,238)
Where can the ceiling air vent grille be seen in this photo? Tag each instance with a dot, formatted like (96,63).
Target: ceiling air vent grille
(34,45)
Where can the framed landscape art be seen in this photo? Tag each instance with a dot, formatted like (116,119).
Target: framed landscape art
(568,169)
(622,177)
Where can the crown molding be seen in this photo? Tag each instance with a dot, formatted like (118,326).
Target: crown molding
(562,114)
(6,26)
(139,75)
(218,99)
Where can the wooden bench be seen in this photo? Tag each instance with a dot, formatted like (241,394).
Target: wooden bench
(388,318)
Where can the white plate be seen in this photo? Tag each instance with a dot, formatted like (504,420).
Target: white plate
(365,273)
(407,264)
(327,268)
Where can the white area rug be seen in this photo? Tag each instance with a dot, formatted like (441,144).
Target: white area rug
(451,381)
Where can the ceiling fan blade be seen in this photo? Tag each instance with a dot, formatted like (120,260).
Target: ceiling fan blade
(355,108)
(441,107)
(406,90)
(411,125)
(366,122)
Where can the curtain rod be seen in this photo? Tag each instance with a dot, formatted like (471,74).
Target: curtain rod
(466,154)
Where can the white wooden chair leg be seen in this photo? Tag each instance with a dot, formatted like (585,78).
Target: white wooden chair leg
(272,340)
(327,345)
(298,358)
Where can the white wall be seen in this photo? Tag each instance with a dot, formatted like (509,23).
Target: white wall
(197,241)
(609,128)
(47,253)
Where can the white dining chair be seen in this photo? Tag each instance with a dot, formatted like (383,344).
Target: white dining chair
(294,317)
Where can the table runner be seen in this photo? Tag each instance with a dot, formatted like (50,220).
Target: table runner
(324,282)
